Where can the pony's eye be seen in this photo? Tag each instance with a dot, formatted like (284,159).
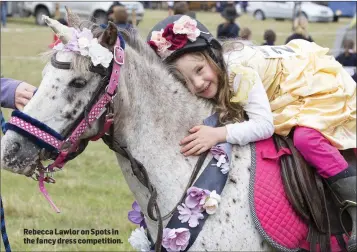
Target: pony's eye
(78,83)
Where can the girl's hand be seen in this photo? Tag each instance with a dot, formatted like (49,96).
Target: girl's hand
(201,139)
(23,94)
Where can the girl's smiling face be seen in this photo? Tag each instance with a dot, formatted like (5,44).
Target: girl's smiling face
(200,77)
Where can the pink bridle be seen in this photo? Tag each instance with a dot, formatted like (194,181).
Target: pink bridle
(70,145)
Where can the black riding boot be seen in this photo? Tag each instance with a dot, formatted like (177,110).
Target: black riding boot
(343,186)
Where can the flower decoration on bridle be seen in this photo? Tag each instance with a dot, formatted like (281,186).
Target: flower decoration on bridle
(83,43)
(175,36)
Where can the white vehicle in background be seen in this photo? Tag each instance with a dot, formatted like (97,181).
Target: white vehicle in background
(284,10)
(96,11)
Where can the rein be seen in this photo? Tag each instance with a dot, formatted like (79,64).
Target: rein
(140,172)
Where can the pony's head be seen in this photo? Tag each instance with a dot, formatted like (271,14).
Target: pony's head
(74,79)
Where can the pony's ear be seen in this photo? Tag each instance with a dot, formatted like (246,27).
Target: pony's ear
(109,36)
(73,19)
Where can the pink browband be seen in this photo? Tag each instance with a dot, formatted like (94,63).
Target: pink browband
(70,145)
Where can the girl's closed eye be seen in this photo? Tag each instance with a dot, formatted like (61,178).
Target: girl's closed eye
(198,70)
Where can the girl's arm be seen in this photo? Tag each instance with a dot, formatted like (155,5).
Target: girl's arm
(260,125)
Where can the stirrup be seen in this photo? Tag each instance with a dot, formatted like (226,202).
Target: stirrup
(347,204)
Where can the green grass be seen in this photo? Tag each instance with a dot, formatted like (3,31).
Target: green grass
(90,191)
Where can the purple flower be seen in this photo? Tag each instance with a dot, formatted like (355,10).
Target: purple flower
(136,216)
(220,154)
(196,197)
(175,239)
(190,215)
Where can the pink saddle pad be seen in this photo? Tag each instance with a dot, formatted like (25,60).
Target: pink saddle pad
(274,216)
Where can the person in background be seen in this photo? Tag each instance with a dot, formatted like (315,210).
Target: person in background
(15,94)
(245,34)
(300,30)
(349,56)
(111,10)
(228,29)
(269,37)
(3,12)
(120,18)
(182,8)
(170,6)
(244,5)
(56,39)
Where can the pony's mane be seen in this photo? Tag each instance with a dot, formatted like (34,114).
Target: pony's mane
(135,41)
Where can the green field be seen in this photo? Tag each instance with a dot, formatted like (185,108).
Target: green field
(90,191)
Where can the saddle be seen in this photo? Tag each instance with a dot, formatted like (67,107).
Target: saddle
(311,198)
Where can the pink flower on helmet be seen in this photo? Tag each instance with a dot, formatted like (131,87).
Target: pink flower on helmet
(188,26)
(175,36)
(160,44)
(177,40)
(175,239)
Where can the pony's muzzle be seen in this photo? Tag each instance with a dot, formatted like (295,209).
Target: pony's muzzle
(18,155)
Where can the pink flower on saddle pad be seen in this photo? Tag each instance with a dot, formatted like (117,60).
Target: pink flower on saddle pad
(190,215)
(175,239)
(196,197)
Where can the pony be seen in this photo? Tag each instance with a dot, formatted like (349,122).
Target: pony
(151,112)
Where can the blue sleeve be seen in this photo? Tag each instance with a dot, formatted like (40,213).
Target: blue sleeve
(8,88)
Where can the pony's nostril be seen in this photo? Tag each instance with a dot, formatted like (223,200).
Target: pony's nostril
(15,147)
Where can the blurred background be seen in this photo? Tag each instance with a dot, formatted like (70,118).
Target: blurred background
(91,191)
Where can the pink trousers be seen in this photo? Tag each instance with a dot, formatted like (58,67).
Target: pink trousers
(319,152)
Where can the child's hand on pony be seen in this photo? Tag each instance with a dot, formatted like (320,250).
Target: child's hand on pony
(201,139)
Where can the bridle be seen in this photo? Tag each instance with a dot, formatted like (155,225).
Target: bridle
(63,149)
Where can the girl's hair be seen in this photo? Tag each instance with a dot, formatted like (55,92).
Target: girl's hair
(269,36)
(300,26)
(227,112)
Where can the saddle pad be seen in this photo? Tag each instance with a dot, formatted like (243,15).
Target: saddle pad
(274,216)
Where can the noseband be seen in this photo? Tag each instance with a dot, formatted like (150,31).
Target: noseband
(65,148)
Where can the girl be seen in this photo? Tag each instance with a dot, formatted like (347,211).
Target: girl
(308,91)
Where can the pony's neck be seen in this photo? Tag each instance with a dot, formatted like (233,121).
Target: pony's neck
(154,112)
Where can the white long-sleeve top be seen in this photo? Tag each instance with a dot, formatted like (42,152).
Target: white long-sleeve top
(250,93)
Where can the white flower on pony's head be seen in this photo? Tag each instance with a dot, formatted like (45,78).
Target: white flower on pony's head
(82,42)
(188,26)
(211,203)
(139,241)
(85,38)
(99,54)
